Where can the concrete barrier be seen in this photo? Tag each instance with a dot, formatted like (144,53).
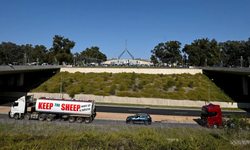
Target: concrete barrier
(144,101)
(136,70)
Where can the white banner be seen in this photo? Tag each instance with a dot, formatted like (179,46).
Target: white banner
(64,106)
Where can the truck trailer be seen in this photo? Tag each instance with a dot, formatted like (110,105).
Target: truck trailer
(46,108)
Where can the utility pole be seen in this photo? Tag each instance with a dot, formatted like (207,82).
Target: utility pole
(208,89)
(61,88)
(241,61)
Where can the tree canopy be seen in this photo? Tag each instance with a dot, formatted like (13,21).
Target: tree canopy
(232,51)
(203,52)
(165,51)
(93,54)
(62,49)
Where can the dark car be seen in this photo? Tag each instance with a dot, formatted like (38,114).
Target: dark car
(139,118)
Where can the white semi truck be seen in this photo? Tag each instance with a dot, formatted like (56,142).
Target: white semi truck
(45,108)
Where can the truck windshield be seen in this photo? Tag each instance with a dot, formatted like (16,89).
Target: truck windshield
(15,104)
(204,113)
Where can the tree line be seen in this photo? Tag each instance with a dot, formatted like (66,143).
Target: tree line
(201,52)
(59,52)
(204,52)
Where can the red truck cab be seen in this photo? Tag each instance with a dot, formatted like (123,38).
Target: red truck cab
(211,116)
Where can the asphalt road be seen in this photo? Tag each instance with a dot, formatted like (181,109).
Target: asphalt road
(159,111)
(101,122)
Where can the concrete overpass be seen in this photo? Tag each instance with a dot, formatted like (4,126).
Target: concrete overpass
(234,81)
(22,78)
(23,69)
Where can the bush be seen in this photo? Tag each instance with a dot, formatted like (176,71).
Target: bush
(101,93)
(147,95)
(133,77)
(112,89)
(140,86)
(171,83)
(54,89)
(121,87)
(191,84)
(179,86)
(165,86)
(137,94)
(124,94)
(72,93)
(105,78)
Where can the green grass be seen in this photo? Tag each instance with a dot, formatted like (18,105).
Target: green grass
(175,86)
(81,136)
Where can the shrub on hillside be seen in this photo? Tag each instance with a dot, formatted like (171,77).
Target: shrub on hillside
(137,94)
(101,93)
(197,95)
(140,86)
(121,87)
(90,83)
(191,84)
(177,95)
(72,94)
(124,94)
(133,77)
(112,89)
(157,84)
(171,83)
(147,95)
(179,86)
(54,89)
(89,90)
(165,87)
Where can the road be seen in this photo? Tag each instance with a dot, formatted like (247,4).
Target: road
(103,122)
(160,111)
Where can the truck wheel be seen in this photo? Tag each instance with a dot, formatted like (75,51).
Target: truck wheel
(16,116)
(72,119)
(146,123)
(215,126)
(27,116)
(88,120)
(9,115)
(49,118)
(79,119)
(41,117)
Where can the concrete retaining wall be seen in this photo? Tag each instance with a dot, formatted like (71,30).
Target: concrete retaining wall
(143,101)
(136,70)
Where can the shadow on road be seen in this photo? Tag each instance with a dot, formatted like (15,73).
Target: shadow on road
(198,121)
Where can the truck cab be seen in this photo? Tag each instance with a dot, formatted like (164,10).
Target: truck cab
(211,116)
(18,108)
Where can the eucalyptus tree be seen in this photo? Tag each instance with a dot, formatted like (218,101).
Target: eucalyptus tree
(203,52)
(61,49)
(93,54)
(165,51)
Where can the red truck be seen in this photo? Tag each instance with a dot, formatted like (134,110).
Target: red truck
(211,116)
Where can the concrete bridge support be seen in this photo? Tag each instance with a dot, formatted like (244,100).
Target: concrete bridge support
(11,80)
(245,84)
(20,79)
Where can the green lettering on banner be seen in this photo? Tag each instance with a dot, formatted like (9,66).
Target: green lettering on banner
(57,105)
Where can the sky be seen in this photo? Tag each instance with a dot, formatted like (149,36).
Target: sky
(108,23)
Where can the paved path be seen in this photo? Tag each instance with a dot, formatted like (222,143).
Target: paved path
(122,116)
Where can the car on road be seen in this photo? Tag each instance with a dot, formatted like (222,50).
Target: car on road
(139,118)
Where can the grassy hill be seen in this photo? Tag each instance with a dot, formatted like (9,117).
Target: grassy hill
(174,86)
